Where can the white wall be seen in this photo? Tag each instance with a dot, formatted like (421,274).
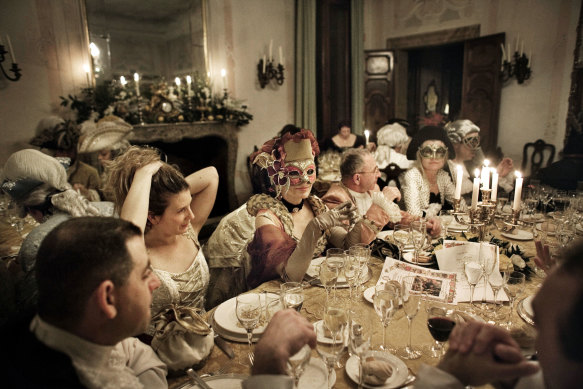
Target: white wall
(239,35)
(533,110)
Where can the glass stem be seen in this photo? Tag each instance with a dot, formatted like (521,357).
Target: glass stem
(384,334)
(511,312)
(472,287)
(360,377)
(486,278)
(409,322)
(250,342)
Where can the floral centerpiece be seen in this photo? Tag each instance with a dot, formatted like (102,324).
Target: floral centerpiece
(160,103)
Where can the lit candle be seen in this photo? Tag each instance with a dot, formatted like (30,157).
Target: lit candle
(188,85)
(123,81)
(446,109)
(137,80)
(177,81)
(271,50)
(280,56)
(87,70)
(517,191)
(458,182)
(494,186)
(224,77)
(10,49)
(476,189)
(263,64)
(366,134)
(486,175)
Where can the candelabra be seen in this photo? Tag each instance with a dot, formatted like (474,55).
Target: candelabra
(480,217)
(267,71)
(14,68)
(519,68)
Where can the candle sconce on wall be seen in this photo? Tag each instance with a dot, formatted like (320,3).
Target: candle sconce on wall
(14,68)
(267,71)
(518,66)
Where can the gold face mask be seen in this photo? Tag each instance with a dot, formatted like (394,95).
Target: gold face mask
(301,171)
(433,151)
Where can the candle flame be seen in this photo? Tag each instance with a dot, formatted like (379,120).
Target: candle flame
(188,79)
(86,68)
(136,77)
(122,80)
(477,173)
(518,174)
(223,72)
(486,163)
(366,133)
(177,81)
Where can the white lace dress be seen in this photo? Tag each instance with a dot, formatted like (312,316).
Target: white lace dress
(186,288)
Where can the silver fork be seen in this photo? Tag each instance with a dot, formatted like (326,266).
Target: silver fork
(221,371)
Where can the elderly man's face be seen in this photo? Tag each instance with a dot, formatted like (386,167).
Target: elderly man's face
(369,173)
(551,304)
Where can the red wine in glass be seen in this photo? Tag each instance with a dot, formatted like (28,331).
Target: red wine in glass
(440,328)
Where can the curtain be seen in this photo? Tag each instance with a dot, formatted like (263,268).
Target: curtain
(357,64)
(305,65)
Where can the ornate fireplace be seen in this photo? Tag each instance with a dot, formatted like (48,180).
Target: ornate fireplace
(192,146)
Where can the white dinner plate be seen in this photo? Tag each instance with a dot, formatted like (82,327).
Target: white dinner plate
(369,294)
(325,339)
(226,322)
(314,272)
(456,227)
(224,381)
(410,257)
(389,234)
(396,379)
(524,310)
(517,234)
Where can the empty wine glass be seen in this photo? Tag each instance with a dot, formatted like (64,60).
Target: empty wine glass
(361,252)
(292,295)
(418,236)
(328,276)
(386,302)
(473,272)
(351,272)
(446,218)
(497,281)
(487,258)
(514,286)
(359,343)
(296,364)
(329,347)
(402,236)
(248,311)
(411,293)
(335,260)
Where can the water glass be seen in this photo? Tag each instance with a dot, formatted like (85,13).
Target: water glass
(386,302)
(514,287)
(296,364)
(329,348)
(292,295)
(401,236)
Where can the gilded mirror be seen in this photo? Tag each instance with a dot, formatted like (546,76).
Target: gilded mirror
(155,38)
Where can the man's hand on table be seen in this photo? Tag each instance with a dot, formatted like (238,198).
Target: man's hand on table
(433,226)
(479,352)
(285,335)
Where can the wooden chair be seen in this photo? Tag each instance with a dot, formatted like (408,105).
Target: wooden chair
(393,171)
(536,156)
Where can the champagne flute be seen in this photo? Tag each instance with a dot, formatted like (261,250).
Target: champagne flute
(402,236)
(329,348)
(386,303)
(513,288)
(292,295)
(248,311)
(327,276)
(351,272)
(411,293)
(487,257)
(473,272)
(446,218)
(296,364)
(359,336)
(418,235)
(335,260)
(361,252)
(497,281)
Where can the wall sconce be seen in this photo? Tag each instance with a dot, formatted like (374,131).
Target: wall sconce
(14,68)
(518,66)
(267,71)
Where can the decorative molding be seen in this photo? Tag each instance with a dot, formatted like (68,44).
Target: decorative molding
(176,132)
(435,38)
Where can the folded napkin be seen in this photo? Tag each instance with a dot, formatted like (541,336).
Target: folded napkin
(376,371)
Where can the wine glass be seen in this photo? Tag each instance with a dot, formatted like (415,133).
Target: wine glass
(386,302)
(411,293)
(328,276)
(473,272)
(402,236)
(418,235)
(440,321)
(329,348)
(497,281)
(359,343)
(513,288)
(292,295)
(487,258)
(501,203)
(335,260)
(248,311)
(351,271)
(446,218)
(361,252)
(296,364)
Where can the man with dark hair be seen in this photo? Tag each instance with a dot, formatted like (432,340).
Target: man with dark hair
(95,289)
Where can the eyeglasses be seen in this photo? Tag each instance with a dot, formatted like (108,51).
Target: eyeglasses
(375,171)
(473,142)
(433,151)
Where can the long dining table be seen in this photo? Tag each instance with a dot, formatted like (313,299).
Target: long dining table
(397,331)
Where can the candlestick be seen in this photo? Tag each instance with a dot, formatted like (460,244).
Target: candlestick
(137,81)
(280,56)
(366,134)
(270,50)
(458,182)
(494,186)
(517,191)
(486,175)
(10,49)
(476,189)
(517,40)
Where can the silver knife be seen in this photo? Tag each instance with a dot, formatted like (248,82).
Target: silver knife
(192,374)
(224,346)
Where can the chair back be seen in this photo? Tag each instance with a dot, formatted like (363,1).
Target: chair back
(536,155)
(393,171)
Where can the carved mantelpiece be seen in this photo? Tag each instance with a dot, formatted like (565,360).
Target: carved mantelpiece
(177,132)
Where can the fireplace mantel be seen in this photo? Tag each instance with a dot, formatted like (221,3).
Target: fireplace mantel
(176,132)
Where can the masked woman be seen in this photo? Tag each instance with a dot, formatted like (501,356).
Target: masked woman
(289,227)
(426,187)
(171,210)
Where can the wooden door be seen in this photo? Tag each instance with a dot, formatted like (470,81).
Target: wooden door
(379,104)
(481,86)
